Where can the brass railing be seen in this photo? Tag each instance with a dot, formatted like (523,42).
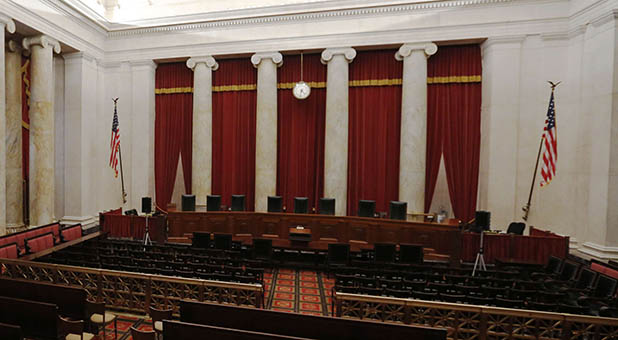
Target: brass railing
(476,322)
(134,291)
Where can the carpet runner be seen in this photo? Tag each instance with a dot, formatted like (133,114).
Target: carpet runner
(287,290)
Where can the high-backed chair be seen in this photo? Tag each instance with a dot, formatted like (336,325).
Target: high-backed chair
(188,202)
(223,241)
(326,206)
(516,228)
(398,210)
(73,329)
(101,318)
(201,239)
(410,253)
(213,202)
(275,204)
(366,208)
(262,249)
(238,202)
(136,334)
(384,252)
(301,205)
(338,255)
(157,316)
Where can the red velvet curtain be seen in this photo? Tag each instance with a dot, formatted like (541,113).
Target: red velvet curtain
(233,130)
(300,131)
(173,128)
(454,113)
(374,129)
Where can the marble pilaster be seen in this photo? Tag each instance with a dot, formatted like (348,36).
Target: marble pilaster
(41,128)
(14,183)
(8,24)
(266,127)
(80,74)
(336,134)
(201,183)
(413,141)
(142,132)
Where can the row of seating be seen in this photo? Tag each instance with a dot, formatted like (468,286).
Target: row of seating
(37,239)
(563,286)
(326,206)
(42,310)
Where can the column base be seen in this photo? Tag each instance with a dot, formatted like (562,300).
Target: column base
(599,251)
(86,221)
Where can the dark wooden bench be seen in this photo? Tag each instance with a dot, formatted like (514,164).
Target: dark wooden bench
(182,330)
(292,324)
(71,300)
(10,332)
(36,319)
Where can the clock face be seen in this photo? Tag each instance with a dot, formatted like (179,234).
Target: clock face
(301,90)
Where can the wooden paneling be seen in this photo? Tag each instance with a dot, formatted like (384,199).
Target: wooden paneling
(445,239)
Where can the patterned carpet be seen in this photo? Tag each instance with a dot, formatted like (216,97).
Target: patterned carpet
(305,292)
(295,291)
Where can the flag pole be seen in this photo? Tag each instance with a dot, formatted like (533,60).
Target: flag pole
(526,208)
(124,194)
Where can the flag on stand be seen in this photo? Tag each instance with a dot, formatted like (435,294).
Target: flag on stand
(550,144)
(115,143)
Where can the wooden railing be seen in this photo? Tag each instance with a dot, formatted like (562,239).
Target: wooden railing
(135,292)
(476,322)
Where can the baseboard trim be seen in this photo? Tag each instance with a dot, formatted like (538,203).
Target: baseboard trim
(599,251)
(86,221)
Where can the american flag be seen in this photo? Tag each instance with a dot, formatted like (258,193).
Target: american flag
(115,142)
(550,144)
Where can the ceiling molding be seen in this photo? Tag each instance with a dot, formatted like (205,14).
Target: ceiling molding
(255,17)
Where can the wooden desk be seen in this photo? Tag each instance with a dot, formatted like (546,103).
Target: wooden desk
(445,239)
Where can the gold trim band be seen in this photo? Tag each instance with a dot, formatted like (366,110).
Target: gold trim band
(322,84)
(454,79)
(25,125)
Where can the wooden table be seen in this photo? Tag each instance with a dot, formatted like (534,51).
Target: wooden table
(360,232)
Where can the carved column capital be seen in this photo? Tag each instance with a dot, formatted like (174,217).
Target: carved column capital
(348,53)
(43,41)
(8,23)
(209,61)
(13,47)
(276,57)
(405,50)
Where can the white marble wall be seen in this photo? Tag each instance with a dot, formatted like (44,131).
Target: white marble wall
(59,137)
(142,132)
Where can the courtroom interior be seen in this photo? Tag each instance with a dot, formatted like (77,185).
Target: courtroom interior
(309,169)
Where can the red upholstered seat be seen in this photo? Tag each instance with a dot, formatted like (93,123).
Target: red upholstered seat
(40,243)
(71,233)
(604,270)
(9,251)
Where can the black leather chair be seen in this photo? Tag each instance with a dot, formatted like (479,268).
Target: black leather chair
(188,202)
(410,253)
(201,239)
(398,210)
(262,249)
(338,255)
(366,208)
(238,202)
(516,228)
(275,204)
(223,241)
(326,206)
(213,202)
(384,252)
(301,205)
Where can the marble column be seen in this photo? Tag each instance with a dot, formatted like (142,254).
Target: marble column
(336,134)
(8,24)
(201,183)
(41,128)
(266,127)
(14,182)
(413,140)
